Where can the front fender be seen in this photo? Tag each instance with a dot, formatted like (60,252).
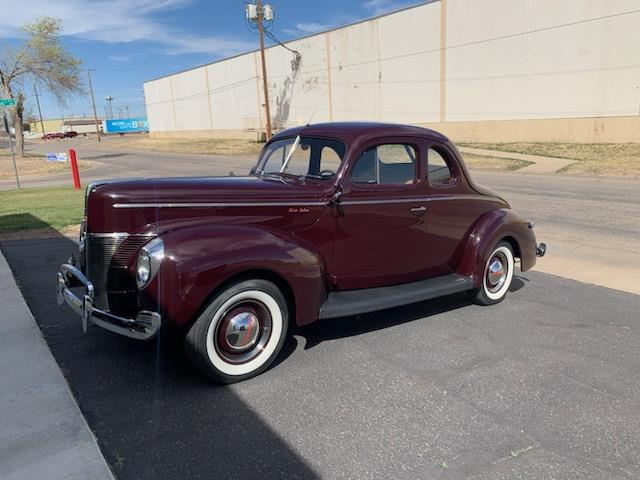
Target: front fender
(199,259)
(488,230)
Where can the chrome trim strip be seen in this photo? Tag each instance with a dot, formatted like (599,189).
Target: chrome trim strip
(219,205)
(119,235)
(415,200)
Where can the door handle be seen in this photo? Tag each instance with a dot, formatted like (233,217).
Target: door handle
(418,211)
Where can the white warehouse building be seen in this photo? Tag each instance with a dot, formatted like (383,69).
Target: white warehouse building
(477,70)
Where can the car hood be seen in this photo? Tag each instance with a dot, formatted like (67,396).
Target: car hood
(159,204)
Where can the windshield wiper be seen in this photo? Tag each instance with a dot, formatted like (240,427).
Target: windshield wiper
(293,148)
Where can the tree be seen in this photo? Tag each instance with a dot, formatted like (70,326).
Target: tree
(42,59)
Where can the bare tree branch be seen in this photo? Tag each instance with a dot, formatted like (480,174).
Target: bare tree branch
(41,59)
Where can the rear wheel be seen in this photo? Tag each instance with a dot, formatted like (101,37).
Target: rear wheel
(240,333)
(497,275)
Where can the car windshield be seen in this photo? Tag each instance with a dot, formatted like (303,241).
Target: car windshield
(302,156)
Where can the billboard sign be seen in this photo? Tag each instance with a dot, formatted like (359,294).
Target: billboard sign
(125,125)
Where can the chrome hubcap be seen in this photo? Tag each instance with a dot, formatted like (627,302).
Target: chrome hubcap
(242,331)
(496,272)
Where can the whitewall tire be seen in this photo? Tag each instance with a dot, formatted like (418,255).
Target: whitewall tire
(240,333)
(497,275)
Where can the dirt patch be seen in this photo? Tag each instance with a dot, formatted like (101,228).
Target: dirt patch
(34,165)
(204,146)
(606,159)
(72,231)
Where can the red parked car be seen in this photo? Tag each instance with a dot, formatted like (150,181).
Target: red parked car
(334,220)
(53,136)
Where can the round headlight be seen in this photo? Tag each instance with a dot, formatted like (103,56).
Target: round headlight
(149,260)
(144,268)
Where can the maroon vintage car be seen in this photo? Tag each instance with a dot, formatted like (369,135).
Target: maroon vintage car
(334,220)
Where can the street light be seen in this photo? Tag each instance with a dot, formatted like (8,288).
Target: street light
(109,99)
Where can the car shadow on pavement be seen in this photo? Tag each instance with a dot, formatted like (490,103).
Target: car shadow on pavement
(152,415)
(332,329)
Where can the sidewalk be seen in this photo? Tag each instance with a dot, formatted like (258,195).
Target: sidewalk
(600,266)
(42,432)
(541,165)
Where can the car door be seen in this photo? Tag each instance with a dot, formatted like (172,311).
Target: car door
(380,222)
(452,209)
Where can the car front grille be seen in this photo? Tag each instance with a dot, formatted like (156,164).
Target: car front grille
(99,251)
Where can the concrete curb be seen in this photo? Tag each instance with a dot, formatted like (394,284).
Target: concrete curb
(43,434)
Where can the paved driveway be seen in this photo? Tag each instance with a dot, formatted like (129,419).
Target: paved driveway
(545,385)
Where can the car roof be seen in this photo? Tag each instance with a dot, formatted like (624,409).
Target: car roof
(350,132)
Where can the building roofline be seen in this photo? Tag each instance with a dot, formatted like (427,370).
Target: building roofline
(364,20)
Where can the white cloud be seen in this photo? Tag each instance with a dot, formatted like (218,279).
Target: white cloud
(370,8)
(306,28)
(117,21)
(378,7)
(312,27)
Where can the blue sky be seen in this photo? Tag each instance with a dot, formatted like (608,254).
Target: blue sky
(128,42)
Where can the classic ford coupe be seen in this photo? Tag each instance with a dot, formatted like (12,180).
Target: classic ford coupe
(334,220)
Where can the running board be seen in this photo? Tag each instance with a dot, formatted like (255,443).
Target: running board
(354,302)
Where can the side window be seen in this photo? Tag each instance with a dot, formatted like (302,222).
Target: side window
(439,172)
(390,164)
(299,161)
(329,160)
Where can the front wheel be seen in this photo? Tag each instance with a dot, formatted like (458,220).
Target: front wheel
(240,333)
(497,275)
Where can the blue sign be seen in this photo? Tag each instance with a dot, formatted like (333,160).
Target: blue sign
(57,157)
(125,125)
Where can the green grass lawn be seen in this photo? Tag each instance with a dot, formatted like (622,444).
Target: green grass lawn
(36,208)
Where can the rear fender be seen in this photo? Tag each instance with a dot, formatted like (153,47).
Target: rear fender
(200,259)
(488,230)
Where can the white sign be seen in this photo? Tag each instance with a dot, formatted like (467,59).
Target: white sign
(57,157)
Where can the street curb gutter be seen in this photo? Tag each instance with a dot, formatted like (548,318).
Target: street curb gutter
(43,433)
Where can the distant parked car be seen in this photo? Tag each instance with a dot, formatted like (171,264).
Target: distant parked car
(53,136)
(70,134)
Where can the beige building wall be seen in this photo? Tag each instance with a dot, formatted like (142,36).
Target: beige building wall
(495,70)
(52,125)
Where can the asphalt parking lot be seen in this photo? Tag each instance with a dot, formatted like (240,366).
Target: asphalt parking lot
(544,385)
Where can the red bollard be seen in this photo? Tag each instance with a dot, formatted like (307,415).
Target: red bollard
(74,169)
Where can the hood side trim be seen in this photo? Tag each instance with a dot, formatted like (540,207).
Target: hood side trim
(220,204)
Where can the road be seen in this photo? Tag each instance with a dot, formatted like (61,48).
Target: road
(545,385)
(592,225)
(110,163)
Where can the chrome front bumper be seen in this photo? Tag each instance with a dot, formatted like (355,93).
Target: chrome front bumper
(143,327)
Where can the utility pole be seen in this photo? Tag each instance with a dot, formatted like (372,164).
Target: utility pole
(13,153)
(257,13)
(93,101)
(39,111)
